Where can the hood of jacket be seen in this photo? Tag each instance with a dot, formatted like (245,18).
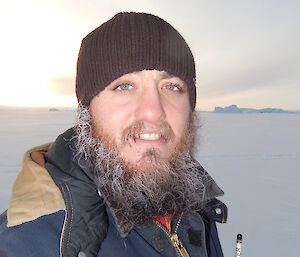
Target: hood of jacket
(34,192)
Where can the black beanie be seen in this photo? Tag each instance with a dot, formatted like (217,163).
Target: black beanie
(132,42)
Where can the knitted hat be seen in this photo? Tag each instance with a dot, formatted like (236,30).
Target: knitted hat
(132,42)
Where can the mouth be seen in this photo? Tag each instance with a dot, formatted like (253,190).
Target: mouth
(145,137)
(148,136)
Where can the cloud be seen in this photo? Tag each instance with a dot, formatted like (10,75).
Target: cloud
(248,74)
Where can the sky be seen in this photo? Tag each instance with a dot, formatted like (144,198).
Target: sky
(246,52)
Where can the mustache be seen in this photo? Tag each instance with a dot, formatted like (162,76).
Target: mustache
(138,127)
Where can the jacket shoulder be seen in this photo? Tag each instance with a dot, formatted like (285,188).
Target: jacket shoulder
(40,237)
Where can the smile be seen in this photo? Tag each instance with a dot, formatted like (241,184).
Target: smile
(148,136)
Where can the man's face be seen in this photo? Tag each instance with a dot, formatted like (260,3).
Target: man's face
(142,112)
(137,139)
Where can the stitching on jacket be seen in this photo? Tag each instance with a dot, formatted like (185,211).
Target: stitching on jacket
(62,233)
(72,214)
(68,226)
(65,223)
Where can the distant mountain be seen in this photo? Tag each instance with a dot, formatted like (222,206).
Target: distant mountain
(53,110)
(235,109)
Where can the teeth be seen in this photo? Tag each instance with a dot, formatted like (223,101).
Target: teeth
(148,136)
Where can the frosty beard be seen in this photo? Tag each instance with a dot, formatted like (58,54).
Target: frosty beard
(137,193)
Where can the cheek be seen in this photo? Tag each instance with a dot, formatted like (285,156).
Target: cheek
(112,121)
(179,120)
(181,127)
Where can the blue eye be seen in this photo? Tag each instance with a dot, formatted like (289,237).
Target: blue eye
(124,87)
(173,87)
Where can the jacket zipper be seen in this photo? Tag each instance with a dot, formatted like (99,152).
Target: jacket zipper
(180,249)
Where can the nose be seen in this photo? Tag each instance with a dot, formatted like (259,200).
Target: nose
(150,107)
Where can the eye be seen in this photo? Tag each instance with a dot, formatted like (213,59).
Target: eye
(173,87)
(124,87)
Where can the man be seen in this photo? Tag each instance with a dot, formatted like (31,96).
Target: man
(123,181)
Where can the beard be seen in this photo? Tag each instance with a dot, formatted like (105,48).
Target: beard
(135,193)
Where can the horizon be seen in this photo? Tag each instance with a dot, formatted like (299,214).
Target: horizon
(60,108)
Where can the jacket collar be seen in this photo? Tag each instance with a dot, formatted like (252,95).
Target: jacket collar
(35,194)
(85,224)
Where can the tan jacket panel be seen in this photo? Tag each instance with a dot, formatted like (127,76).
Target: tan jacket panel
(34,192)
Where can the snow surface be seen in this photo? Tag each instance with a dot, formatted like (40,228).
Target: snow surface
(255,158)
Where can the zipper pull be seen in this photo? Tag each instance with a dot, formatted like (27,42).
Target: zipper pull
(178,245)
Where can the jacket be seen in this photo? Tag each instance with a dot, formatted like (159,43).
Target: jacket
(58,211)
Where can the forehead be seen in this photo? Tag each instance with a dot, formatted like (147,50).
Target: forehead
(164,74)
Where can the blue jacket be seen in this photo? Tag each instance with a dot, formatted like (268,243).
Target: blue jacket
(57,211)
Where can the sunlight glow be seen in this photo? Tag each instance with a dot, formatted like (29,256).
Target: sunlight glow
(32,53)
